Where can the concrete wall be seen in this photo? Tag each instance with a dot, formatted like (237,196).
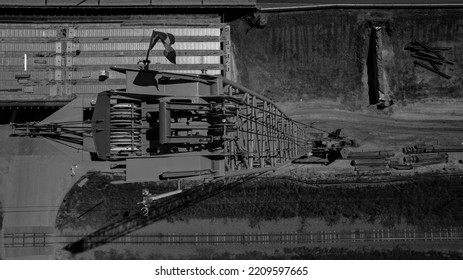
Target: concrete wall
(322,54)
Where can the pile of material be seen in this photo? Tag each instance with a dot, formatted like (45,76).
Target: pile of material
(370,155)
(426,159)
(422,148)
(370,160)
(431,55)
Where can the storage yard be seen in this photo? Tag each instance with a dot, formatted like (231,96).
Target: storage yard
(230,131)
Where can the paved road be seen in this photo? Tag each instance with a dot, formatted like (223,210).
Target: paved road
(34,178)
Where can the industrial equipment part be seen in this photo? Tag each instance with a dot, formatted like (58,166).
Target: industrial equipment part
(169,126)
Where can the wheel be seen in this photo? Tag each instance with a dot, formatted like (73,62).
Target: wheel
(144,211)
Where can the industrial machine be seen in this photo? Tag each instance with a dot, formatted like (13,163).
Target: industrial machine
(166,126)
(170,126)
(327,148)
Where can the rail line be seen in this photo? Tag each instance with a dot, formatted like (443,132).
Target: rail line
(157,212)
(320,237)
(27,239)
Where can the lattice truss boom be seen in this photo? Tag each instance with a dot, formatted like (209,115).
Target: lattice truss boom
(169,126)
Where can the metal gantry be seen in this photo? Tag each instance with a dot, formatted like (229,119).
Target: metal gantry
(170,126)
(165,126)
(265,137)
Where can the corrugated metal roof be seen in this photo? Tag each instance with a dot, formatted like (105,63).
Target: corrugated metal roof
(26,47)
(27,33)
(134,60)
(37,90)
(66,59)
(129,3)
(86,47)
(35,75)
(137,32)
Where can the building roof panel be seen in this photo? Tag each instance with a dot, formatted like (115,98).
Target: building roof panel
(164,3)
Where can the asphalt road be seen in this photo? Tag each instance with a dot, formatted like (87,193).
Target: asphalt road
(34,178)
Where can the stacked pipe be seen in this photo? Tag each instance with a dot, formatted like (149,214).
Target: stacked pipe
(448,149)
(431,55)
(370,155)
(426,159)
(419,148)
(125,136)
(399,166)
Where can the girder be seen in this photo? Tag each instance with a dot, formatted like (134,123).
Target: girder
(168,126)
(265,137)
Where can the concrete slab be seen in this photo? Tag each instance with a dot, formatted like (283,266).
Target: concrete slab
(30,253)
(34,178)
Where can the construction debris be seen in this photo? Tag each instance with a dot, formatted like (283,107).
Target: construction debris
(431,55)
(432,69)
(22,76)
(332,146)
(425,159)
(422,148)
(398,166)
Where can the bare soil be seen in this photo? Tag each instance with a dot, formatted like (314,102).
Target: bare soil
(437,122)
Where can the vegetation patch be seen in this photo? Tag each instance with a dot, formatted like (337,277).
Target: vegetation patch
(297,253)
(98,201)
(422,201)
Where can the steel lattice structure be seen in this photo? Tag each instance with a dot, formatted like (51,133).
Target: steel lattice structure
(171,126)
(266,136)
(174,126)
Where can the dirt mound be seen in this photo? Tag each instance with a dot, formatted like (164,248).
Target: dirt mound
(313,55)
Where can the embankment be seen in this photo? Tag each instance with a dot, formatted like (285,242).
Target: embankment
(322,54)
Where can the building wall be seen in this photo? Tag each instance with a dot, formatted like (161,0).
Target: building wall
(322,54)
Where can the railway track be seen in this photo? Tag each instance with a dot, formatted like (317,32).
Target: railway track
(161,210)
(28,239)
(319,237)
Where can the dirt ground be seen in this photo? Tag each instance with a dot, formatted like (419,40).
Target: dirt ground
(434,122)
(35,175)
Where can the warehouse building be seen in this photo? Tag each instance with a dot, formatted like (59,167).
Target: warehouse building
(52,51)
